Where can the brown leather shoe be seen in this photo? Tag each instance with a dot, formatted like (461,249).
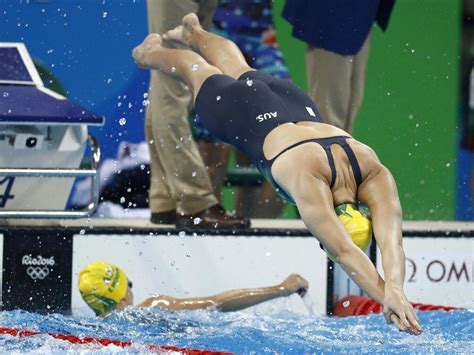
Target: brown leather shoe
(213,217)
(168,217)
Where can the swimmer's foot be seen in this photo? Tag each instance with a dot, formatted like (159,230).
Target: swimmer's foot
(147,53)
(184,33)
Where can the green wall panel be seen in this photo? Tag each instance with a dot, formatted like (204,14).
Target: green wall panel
(409,113)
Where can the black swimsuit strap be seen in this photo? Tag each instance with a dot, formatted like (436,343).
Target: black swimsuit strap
(326,143)
(354,163)
(327,149)
(291,147)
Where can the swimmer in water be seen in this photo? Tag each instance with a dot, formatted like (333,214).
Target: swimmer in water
(314,165)
(106,288)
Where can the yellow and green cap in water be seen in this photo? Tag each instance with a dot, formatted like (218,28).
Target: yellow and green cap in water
(102,286)
(358,222)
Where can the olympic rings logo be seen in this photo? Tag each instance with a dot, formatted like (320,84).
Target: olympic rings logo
(37,272)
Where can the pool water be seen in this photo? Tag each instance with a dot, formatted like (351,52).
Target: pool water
(254,330)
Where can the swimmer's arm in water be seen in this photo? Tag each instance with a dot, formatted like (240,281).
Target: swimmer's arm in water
(233,300)
(379,192)
(315,205)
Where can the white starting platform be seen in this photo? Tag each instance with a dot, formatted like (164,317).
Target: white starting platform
(43,137)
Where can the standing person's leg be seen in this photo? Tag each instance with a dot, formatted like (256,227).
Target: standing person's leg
(336,84)
(179,178)
(160,197)
(329,84)
(359,66)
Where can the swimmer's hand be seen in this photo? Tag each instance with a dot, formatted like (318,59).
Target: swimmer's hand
(399,311)
(294,284)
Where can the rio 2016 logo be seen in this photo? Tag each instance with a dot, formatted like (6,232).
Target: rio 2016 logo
(38,268)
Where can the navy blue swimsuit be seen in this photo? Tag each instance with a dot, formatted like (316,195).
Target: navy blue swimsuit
(242,112)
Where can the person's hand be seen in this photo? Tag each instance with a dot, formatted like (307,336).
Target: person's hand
(294,283)
(269,37)
(399,311)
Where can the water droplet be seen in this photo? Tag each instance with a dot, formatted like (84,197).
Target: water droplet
(145,95)
(49,51)
(182,234)
(218,98)
(82,232)
(109,81)
(197,220)
(173,69)
(194,67)
(346,304)
(193,174)
(448,165)
(188,255)
(104,14)
(130,105)
(122,199)
(122,121)
(413,51)
(249,82)
(145,103)
(6,94)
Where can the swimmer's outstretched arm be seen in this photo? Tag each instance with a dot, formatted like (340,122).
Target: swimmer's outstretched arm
(233,300)
(379,192)
(315,204)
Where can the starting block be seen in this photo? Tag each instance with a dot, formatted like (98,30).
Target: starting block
(43,137)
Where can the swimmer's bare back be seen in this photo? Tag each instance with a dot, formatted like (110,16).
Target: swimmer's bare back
(313,158)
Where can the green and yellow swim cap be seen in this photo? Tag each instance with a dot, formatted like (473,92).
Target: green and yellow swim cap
(358,222)
(102,286)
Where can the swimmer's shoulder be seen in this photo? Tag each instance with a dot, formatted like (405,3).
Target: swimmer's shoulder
(367,158)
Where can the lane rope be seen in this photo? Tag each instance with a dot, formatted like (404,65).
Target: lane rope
(106,342)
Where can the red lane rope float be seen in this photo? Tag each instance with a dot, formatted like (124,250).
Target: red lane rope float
(105,342)
(358,305)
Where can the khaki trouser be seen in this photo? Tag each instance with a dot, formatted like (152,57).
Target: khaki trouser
(179,179)
(336,84)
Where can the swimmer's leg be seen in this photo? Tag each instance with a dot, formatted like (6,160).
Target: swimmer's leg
(184,65)
(218,51)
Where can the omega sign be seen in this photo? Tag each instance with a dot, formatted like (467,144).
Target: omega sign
(39,267)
